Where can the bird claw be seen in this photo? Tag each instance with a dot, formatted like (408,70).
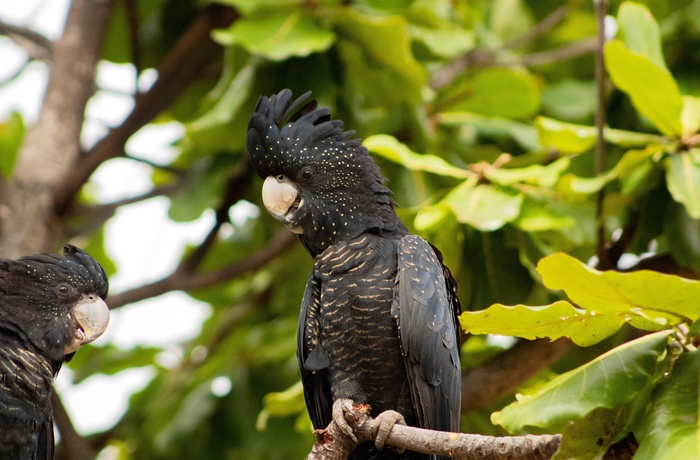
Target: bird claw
(340,408)
(387,420)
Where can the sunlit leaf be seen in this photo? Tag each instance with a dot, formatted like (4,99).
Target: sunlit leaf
(690,117)
(640,32)
(643,297)
(11,137)
(670,430)
(683,179)
(653,90)
(608,381)
(545,176)
(444,42)
(484,207)
(393,150)
(560,319)
(277,34)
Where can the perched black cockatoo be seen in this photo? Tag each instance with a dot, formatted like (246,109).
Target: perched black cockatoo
(50,306)
(378,321)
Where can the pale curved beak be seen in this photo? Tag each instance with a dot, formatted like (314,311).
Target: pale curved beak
(281,198)
(91,320)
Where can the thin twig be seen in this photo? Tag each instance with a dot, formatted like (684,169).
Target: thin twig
(541,28)
(179,280)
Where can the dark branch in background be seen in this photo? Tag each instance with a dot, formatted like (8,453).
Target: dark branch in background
(236,186)
(73,446)
(507,371)
(134,41)
(36,45)
(601,7)
(180,68)
(182,280)
(333,444)
(479,57)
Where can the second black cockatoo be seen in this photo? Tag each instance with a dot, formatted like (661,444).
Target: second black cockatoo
(50,306)
(378,322)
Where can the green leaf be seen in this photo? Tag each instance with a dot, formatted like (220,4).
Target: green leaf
(524,134)
(540,215)
(690,117)
(390,148)
(608,381)
(646,299)
(640,32)
(11,137)
(682,236)
(683,179)
(670,430)
(277,34)
(496,91)
(590,437)
(229,103)
(393,58)
(560,319)
(109,360)
(484,207)
(545,176)
(570,138)
(570,99)
(653,90)
(447,43)
(282,404)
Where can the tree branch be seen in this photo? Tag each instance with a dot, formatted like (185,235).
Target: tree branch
(179,280)
(73,446)
(36,45)
(333,444)
(504,373)
(52,145)
(182,65)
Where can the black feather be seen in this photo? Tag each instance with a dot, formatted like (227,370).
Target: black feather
(378,322)
(35,325)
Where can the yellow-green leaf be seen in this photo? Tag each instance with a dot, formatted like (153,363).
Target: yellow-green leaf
(393,150)
(683,179)
(653,91)
(560,319)
(644,298)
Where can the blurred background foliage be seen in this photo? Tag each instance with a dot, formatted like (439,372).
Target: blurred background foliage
(480,113)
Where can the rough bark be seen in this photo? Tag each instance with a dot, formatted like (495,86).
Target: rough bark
(28,223)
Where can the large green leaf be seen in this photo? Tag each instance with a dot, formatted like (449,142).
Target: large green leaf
(484,207)
(393,150)
(608,381)
(653,91)
(393,59)
(278,34)
(560,319)
(644,298)
(670,430)
(545,176)
(496,91)
(683,179)
(11,137)
(640,32)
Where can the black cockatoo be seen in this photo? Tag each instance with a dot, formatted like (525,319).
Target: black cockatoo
(378,322)
(50,306)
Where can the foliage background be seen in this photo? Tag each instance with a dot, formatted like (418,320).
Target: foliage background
(482,116)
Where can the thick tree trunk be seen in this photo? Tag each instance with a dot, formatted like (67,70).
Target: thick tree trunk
(28,223)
